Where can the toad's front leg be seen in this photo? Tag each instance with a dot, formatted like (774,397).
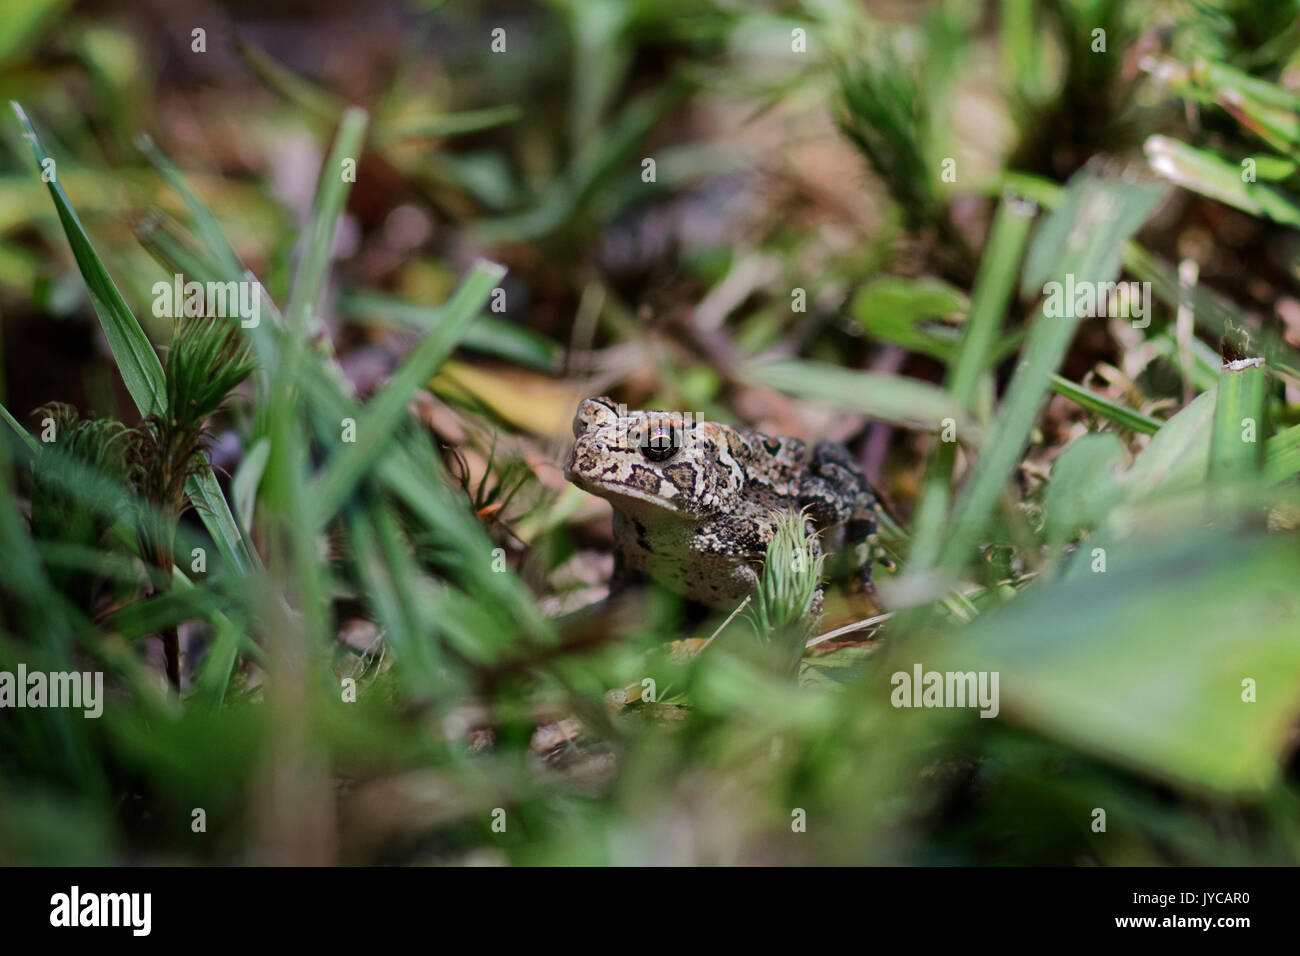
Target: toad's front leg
(743,543)
(840,499)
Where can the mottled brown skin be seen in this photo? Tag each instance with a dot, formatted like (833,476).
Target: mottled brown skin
(694,502)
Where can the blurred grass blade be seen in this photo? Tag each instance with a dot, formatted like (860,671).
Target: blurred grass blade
(1083,237)
(24,20)
(490,335)
(388,409)
(994,286)
(136,360)
(331,194)
(324,107)
(1282,455)
(1211,311)
(248,476)
(205,223)
(289,463)
(448,124)
(1205,173)
(1268,110)
(909,402)
(388,569)
(597,160)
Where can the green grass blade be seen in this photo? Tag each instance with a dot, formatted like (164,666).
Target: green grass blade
(386,566)
(248,477)
(598,160)
(136,359)
(1212,312)
(205,494)
(1100,405)
(21,432)
(1236,442)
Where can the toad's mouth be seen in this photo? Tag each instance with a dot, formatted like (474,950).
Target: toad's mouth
(624,492)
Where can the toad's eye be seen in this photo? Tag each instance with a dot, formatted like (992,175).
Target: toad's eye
(659,443)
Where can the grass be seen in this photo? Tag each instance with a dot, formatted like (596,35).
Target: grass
(389,595)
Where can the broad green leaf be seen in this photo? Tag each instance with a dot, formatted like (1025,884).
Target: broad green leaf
(1147,664)
(1179,454)
(1084,487)
(914,313)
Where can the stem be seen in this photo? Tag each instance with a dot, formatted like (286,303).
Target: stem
(172,655)
(163,554)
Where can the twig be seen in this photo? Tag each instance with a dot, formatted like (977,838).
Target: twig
(721,627)
(849,629)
